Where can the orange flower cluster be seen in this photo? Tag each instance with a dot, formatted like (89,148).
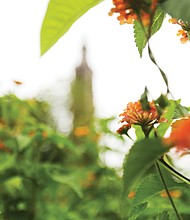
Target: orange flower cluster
(134,114)
(182,32)
(180,135)
(129,10)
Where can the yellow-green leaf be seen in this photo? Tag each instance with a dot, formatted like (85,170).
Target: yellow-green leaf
(59,17)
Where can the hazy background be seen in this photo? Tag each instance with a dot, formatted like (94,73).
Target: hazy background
(119,74)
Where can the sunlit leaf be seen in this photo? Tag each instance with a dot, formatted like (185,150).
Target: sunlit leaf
(180,111)
(6,161)
(141,33)
(13,184)
(169,113)
(59,17)
(23,141)
(138,131)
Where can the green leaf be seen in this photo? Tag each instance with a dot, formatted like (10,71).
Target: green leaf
(163,216)
(180,111)
(59,17)
(152,185)
(177,9)
(162,128)
(6,161)
(141,33)
(70,180)
(162,101)
(137,210)
(13,184)
(142,156)
(144,100)
(23,141)
(138,132)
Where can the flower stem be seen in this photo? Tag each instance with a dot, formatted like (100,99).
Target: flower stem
(174,172)
(167,191)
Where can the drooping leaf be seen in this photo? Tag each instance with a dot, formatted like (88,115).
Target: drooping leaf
(163,216)
(141,33)
(142,155)
(59,17)
(177,9)
(137,210)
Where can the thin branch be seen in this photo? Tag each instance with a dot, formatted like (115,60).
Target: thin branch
(167,191)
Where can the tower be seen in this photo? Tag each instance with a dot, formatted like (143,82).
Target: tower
(82,96)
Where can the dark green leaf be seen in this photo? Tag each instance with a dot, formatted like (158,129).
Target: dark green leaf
(162,101)
(142,155)
(177,9)
(59,17)
(144,100)
(141,33)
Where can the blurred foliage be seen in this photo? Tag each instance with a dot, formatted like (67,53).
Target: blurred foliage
(47,175)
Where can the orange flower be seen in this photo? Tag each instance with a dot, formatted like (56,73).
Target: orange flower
(180,135)
(124,129)
(184,36)
(182,32)
(128,10)
(134,114)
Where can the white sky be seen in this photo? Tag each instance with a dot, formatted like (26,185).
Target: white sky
(120,75)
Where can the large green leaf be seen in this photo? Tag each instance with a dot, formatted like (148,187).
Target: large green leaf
(142,156)
(152,185)
(59,17)
(177,9)
(141,33)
